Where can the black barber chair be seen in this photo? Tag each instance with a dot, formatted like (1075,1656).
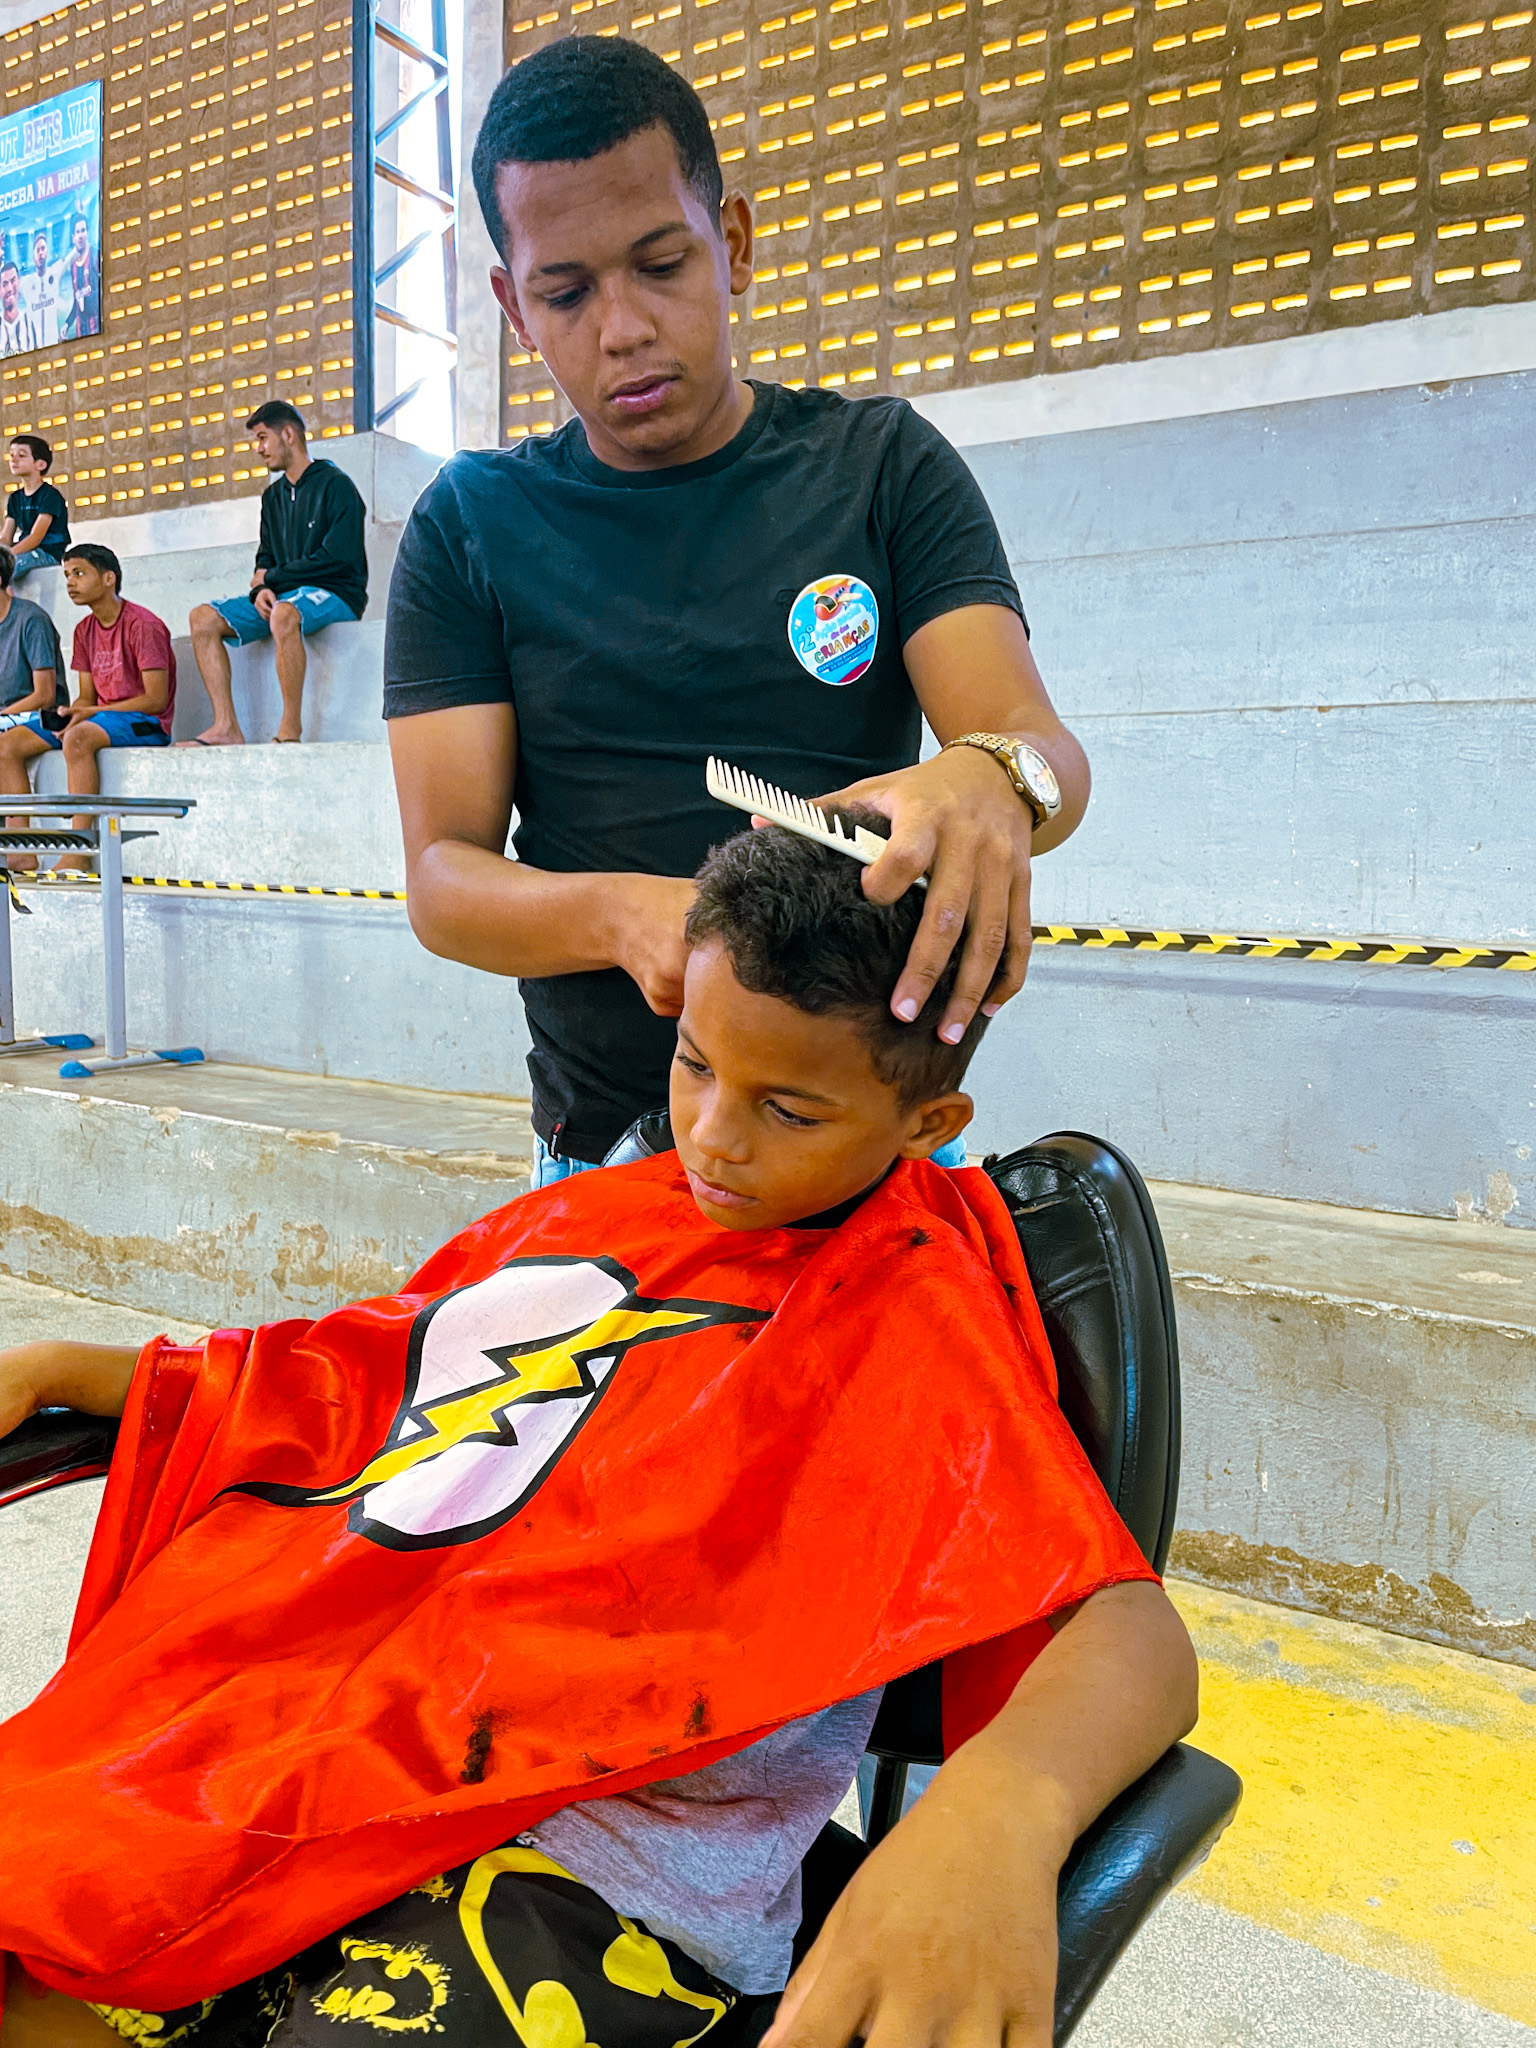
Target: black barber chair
(1095,1256)
(1096,1261)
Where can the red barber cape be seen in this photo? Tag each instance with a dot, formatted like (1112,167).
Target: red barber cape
(605,1493)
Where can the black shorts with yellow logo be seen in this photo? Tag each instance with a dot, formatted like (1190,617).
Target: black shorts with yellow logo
(507,1948)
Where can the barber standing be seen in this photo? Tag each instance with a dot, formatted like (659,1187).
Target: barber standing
(693,565)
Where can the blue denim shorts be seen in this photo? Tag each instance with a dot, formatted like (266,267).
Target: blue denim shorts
(34,558)
(122,728)
(316,608)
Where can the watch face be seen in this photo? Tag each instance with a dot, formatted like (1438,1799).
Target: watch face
(1039,778)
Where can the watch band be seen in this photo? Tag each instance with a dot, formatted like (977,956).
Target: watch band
(1006,751)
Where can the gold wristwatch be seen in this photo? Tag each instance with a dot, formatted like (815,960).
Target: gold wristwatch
(1029,772)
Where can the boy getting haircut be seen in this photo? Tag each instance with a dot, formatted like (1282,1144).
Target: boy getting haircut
(797,925)
(515,1636)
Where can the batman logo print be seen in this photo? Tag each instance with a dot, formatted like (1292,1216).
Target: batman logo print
(501,1376)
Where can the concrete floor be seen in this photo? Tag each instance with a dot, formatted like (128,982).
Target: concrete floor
(1200,1975)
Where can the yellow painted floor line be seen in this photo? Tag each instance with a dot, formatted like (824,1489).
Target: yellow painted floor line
(1389,1811)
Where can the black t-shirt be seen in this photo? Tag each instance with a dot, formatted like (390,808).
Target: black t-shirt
(25,511)
(639,621)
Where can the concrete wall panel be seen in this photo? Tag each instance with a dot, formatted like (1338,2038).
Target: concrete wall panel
(1371,462)
(1407,614)
(228,1219)
(1365,819)
(264,813)
(1408,819)
(1373,1088)
(314,986)
(1363,1460)
(1385,1088)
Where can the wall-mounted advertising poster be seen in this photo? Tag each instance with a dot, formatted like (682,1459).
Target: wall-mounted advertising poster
(50,221)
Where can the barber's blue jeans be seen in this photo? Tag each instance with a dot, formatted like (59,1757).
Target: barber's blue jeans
(547,1168)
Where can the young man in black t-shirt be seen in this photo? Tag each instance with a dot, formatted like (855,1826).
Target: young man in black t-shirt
(311,572)
(36,525)
(693,565)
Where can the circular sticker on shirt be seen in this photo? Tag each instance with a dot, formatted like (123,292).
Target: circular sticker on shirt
(833,626)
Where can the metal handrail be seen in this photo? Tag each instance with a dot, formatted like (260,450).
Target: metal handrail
(102,837)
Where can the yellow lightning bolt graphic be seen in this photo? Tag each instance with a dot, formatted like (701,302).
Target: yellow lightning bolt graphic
(549,1373)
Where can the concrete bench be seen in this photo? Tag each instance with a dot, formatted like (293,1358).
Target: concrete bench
(176,559)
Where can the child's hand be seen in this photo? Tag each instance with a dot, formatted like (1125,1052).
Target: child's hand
(947,1936)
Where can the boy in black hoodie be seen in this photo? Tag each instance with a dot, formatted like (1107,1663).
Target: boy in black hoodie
(311,571)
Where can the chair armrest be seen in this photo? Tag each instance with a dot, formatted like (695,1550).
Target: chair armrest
(51,1449)
(1133,1855)
(1135,1852)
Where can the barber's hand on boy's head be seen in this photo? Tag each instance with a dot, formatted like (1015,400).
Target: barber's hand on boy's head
(958,820)
(647,914)
(946,1938)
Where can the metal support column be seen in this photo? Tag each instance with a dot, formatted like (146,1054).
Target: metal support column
(63,1041)
(7,993)
(362,216)
(110,868)
(374,267)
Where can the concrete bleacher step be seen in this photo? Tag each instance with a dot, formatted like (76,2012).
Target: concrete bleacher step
(308,814)
(174,560)
(1265,1076)
(1306,712)
(1358,1387)
(224,1194)
(1360,1403)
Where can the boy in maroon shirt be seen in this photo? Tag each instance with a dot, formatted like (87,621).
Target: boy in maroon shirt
(126,668)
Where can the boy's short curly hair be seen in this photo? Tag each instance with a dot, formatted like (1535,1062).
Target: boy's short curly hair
(796,924)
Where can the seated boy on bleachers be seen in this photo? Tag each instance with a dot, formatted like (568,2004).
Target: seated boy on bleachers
(125,670)
(484,1660)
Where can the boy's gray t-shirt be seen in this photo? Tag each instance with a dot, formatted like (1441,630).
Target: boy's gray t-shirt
(27,641)
(711,1860)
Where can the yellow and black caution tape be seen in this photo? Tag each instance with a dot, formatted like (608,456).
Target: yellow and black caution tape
(1372,952)
(1277,946)
(233,888)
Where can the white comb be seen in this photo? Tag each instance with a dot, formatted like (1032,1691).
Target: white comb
(795,813)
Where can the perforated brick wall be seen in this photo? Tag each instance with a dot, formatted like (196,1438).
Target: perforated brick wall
(986,189)
(226,270)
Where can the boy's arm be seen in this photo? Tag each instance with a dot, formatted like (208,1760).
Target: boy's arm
(150,699)
(41,695)
(947,1935)
(92,1377)
(7,531)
